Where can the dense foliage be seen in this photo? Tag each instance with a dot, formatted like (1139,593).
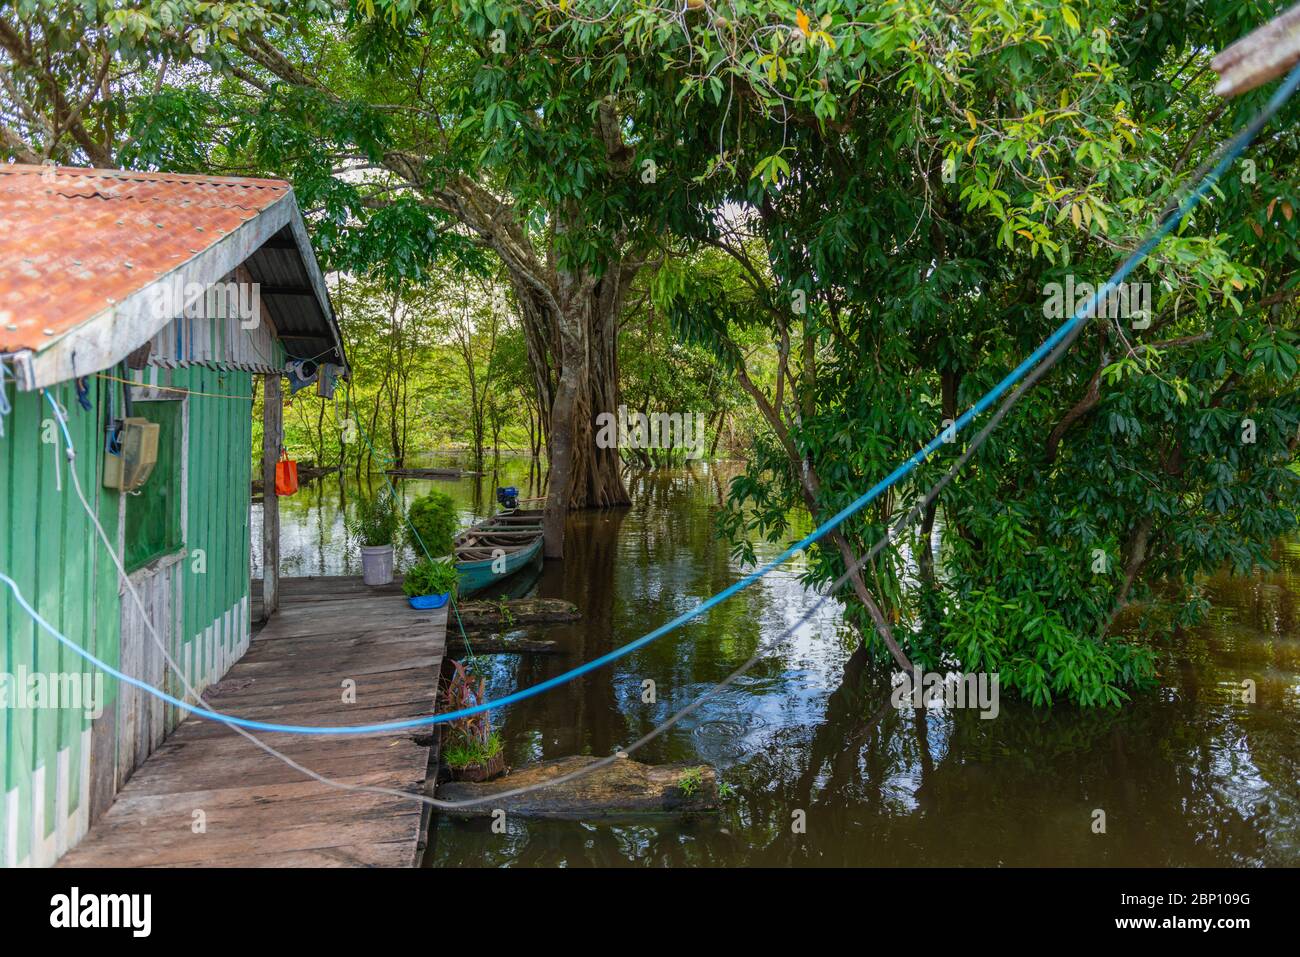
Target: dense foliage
(919,177)
(900,187)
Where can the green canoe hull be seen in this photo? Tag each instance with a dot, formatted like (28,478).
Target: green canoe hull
(476,576)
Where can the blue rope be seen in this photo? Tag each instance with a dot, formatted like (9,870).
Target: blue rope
(1243,140)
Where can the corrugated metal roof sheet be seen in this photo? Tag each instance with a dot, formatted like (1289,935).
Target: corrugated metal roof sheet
(75,241)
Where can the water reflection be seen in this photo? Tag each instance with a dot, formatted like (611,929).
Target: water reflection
(313,533)
(1188,775)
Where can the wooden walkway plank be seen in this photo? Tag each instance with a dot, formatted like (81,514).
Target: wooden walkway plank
(258,811)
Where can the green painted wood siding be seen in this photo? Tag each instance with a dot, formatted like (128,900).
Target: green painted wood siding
(218,499)
(49,547)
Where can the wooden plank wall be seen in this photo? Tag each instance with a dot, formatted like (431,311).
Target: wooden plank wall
(202,338)
(143,720)
(218,501)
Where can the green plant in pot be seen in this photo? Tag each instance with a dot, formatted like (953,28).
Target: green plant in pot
(472,751)
(374,525)
(431,524)
(429,583)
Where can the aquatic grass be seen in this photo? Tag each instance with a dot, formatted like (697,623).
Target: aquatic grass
(691,781)
(502,607)
(465,753)
(472,740)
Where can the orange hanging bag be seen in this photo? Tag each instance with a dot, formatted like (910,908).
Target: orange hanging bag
(286,475)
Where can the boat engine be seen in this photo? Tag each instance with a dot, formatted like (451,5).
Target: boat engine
(508,497)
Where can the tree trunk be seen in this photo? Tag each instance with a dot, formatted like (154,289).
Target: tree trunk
(574,315)
(581,474)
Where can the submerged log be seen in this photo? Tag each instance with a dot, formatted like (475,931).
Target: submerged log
(623,787)
(441,473)
(501,645)
(490,615)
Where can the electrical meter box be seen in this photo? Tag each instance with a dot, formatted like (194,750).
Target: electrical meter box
(131,468)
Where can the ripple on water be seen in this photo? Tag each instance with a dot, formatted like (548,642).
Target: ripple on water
(726,738)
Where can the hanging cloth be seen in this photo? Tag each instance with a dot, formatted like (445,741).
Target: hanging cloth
(326,380)
(301,373)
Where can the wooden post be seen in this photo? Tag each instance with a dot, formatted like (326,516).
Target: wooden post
(1260,56)
(272,438)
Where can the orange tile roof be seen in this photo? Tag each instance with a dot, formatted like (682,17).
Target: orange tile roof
(73,242)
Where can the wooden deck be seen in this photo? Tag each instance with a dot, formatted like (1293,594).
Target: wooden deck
(259,811)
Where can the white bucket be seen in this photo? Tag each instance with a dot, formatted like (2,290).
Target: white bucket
(377,564)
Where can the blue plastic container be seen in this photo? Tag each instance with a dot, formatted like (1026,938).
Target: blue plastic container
(429,601)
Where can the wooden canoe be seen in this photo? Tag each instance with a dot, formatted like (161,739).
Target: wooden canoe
(487,554)
(519,516)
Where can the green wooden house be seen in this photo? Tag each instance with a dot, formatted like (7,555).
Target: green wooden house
(149,307)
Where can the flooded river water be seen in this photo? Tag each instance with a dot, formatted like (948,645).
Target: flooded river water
(1186,775)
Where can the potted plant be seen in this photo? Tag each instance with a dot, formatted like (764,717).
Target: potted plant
(472,751)
(429,583)
(375,527)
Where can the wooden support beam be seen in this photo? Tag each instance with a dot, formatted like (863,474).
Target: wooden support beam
(267,290)
(503,645)
(1260,56)
(276,243)
(272,439)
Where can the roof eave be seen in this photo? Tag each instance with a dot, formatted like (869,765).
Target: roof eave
(308,256)
(112,334)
